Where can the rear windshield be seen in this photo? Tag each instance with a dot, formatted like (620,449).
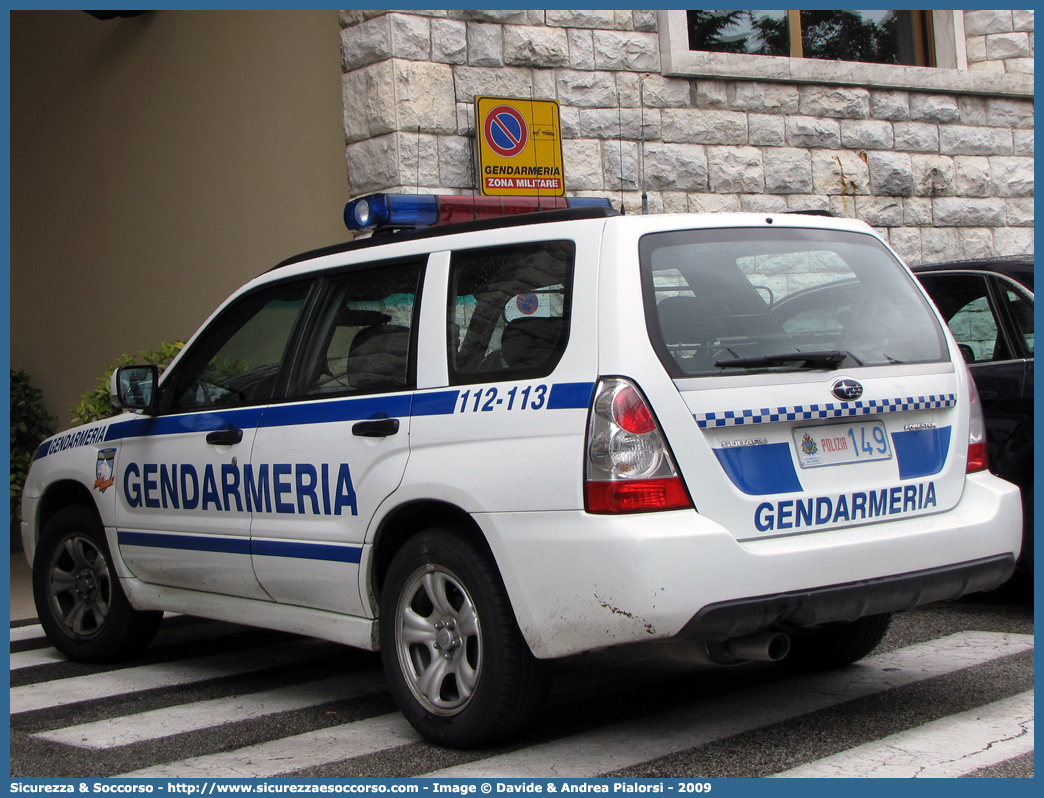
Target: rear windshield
(738,300)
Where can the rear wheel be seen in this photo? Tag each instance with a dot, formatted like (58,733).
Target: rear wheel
(455,659)
(78,597)
(832,645)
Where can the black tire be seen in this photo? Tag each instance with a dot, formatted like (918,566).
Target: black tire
(78,596)
(455,660)
(833,645)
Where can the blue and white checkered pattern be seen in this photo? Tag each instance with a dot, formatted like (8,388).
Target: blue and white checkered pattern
(769,415)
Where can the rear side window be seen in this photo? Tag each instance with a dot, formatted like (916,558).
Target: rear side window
(737,300)
(509,311)
(361,340)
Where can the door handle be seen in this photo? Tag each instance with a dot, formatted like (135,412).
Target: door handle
(377,428)
(987,397)
(225,437)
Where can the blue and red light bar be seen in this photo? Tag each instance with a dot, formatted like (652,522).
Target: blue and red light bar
(403,211)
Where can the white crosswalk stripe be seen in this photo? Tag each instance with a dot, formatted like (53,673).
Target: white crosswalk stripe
(169,636)
(953,746)
(34,631)
(39,656)
(292,753)
(950,746)
(31,632)
(616,747)
(60,692)
(160,723)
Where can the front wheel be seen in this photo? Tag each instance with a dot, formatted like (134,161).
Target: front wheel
(832,645)
(78,597)
(456,662)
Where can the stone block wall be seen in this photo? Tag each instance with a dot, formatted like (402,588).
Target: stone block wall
(943,175)
(1000,41)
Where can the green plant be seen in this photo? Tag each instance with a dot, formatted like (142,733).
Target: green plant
(30,424)
(95,404)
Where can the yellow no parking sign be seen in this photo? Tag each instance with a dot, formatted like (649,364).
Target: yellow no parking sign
(520,147)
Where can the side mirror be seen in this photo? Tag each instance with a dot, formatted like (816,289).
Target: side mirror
(133,387)
(967,353)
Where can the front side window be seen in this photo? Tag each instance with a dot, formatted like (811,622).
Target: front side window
(880,37)
(509,311)
(237,360)
(740,300)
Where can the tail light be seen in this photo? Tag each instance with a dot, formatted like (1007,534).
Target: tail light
(978,458)
(629,467)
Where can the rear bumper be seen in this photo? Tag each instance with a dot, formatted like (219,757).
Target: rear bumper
(848,602)
(579,582)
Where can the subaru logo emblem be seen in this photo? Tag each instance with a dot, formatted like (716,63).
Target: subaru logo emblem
(847,390)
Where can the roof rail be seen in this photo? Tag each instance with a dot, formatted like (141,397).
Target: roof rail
(517,220)
(816,212)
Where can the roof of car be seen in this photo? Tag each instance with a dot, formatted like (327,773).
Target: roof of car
(1017,267)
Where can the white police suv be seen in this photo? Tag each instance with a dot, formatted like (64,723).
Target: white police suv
(479,447)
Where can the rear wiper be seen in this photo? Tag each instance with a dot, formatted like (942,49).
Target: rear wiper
(829,358)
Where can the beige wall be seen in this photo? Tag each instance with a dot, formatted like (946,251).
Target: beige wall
(157,163)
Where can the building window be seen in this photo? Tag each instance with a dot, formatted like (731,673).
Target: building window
(880,37)
(945,57)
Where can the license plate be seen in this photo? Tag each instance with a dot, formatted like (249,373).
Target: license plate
(836,444)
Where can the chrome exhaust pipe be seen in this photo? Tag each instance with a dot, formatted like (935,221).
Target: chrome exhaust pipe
(761,647)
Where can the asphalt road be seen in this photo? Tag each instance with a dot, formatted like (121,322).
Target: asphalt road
(948,694)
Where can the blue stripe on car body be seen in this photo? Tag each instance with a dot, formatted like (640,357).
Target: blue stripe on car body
(921,452)
(241,545)
(768,469)
(760,470)
(161,540)
(564,396)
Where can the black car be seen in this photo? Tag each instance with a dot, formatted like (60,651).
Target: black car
(988,304)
